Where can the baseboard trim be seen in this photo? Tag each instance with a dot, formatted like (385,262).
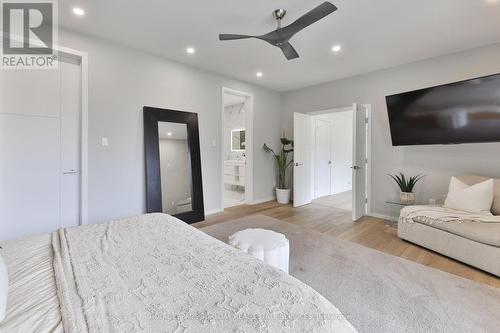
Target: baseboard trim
(379,216)
(258,201)
(214,211)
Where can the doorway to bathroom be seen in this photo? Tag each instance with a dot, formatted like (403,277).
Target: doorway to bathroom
(237,110)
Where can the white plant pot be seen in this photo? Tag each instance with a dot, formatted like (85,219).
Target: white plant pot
(407,198)
(283,196)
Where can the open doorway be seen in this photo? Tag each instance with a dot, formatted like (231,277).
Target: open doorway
(331,159)
(333,145)
(236,151)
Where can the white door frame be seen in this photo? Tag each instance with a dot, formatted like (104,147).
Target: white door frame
(82,57)
(248,144)
(368,108)
(368,186)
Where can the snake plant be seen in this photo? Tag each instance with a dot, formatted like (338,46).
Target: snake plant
(406,185)
(282,162)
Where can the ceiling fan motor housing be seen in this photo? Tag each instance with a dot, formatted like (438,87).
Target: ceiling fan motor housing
(279,14)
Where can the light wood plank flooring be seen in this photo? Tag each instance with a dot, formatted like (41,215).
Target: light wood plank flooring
(369,231)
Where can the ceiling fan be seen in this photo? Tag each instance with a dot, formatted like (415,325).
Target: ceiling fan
(281,36)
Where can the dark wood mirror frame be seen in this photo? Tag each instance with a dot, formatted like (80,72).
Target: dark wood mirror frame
(152,154)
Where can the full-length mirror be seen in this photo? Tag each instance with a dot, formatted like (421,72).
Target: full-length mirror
(173,164)
(175,168)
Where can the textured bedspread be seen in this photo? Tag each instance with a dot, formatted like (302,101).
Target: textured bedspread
(436,214)
(156,274)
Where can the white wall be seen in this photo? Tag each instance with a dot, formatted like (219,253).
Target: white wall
(438,162)
(121,82)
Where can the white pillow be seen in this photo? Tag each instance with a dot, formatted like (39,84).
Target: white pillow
(4,289)
(477,198)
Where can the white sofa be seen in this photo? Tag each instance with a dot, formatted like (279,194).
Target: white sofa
(474,243)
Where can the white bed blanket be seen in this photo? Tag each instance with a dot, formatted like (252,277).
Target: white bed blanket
(154,273)
(436,214)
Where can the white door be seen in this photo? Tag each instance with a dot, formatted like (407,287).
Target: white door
(322,158)
(302,170)
(341,175)
(359,162)
(39,149)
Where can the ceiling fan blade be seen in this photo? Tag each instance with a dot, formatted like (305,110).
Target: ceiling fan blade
(289,51)
(325,9)
(233,37)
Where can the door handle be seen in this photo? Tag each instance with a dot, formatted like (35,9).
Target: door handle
(298,164)
(330,162)
(70,172)
(355,167)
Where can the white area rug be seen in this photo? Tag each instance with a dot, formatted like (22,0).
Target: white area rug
(378,292)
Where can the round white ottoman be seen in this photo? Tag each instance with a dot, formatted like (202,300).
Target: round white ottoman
(269,246)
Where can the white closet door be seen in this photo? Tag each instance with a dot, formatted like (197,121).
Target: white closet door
(29,175)
(322,158)
(31,150)
(342,152)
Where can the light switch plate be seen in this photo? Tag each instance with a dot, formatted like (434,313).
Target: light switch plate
(105,142)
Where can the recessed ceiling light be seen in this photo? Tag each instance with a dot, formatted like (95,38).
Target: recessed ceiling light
(336,48)
(169,134)
(190,50)
(78,11)
(259,74)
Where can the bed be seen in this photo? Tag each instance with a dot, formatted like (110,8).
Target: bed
(153,273)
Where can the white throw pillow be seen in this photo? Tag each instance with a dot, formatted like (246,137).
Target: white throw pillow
(4,289)
(477,198)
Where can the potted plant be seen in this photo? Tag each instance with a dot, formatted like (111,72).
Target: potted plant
(406,186)
(282,164)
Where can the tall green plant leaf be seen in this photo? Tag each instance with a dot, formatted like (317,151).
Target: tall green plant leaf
(281,160)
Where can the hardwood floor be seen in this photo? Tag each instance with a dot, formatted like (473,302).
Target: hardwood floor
(369,231)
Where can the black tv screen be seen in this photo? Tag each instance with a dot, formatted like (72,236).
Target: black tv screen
(460,112)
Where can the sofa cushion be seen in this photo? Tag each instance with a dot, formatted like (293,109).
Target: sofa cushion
(482,232)
(476,198)
(472,180)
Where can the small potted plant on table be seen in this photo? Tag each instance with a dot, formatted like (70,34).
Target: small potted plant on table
(406,186)
(282,164)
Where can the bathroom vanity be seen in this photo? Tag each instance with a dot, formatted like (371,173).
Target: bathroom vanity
(234,172)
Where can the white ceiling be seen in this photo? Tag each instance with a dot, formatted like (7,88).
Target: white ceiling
(373,34)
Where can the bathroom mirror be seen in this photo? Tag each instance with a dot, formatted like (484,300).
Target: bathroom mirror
(238,140)
(173,164)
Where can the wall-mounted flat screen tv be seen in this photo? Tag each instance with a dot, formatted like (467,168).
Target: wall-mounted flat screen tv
(460,112)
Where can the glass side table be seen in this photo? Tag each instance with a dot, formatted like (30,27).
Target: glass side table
(392,211)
